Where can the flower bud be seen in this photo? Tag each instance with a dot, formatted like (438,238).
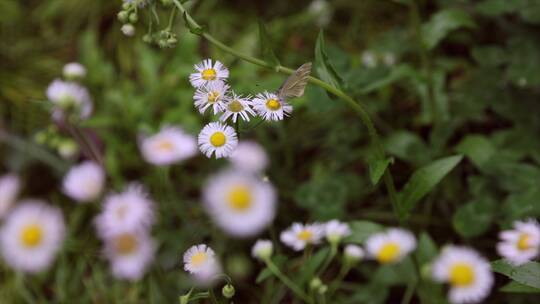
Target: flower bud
(122,16)
(128,29)
(147,38)
(184,299)
(353,254)
(228,291)
(166,2)
(315,283)
(262,249)
(74,71)
(67,148)
(322,289)
(126,5)
(133,18)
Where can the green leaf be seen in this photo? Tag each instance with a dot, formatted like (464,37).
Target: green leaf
(377,169)
(442,23)
(266,273)
(474,218)
(527,274)
(515,287)
(477,148)
(361,230)
(310,267)
(266,46)
(323,66)
(424,180)
(427,249)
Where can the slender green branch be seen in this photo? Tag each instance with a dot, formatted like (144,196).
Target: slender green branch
(288,282)
(357,107)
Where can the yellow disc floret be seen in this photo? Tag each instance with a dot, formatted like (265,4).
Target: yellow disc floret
(125,244)
(388,253)
(461,275)
(273,104)
(31,236)
(523,242)
(209,74)
(239,198)
(305,235)
(218,139)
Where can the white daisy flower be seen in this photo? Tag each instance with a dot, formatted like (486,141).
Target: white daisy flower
(218,139)
(235,106)
(84,182)
(128,211)
(69,95)
(10,187)
(335,231)
(298,236)
(74,70)
(212,95)
(208,73)
(353,253)
(468,274)
(200,260)
(169,146)
(130,254)
(31,236)
(239,203)
(262,249)
(249,156)
(521,244)
(270,107)
(390,246)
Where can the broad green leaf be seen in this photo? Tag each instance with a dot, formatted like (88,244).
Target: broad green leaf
(427,249)
(377,169)
(474,218)
(266,46)
(323,66)
(477,148)
(424,180)
(361,230)
(408,146)
(527,274)
(515,287)
(442,23)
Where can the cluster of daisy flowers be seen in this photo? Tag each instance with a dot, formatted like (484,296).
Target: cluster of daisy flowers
(213,94)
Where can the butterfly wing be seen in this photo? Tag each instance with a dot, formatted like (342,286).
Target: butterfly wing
(295,84)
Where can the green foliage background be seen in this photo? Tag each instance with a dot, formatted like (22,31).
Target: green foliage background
(466,81)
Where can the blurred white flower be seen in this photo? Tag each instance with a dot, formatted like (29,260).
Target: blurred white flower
(68,96)
(10,186)
(521,244)
(270,107)
(299,235)
(169,146)
(391,245)
(239,203)
(128,30)
(353,253)
(235,106)
(212,95)
(84,182)
(369,59)
(127,211)
(74,70)
(389,59)
(208,73)
(130,254)
(322,11)
(200,260)
(262,249)
(249,156)
(468,274)
(218,139)
(31,236)
(335,231)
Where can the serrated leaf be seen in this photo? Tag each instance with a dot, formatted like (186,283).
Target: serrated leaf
(361,230)
(442,23)
(424,180)
(323,66)
(527,274)
(515,287)
(266,46)
(377,169)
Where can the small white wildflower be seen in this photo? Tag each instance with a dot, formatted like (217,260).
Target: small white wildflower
(218,139)
(200,260)
(353,253)
(237,106)
(67,96)
(249,156)
(299,235)
(336,231)
(369,59)
(212,95)
(270,107)
(390,246)
(128,30)
(208,72)
(170,145)
(10,187)
(521,244)
(130,254)
(74,70)
(262,249)
(84,182)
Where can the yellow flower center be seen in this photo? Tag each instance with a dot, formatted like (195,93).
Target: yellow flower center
(273,104)
(218,139)
(213,96)
(125,244)
(199,258)
(236,106)
(461,275)
(31,236)
(305,235)
(523,242)
(209,74)
(165,145)
(239,198)
(388,253)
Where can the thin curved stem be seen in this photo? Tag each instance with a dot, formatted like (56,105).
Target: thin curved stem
(288,282)
(354,105)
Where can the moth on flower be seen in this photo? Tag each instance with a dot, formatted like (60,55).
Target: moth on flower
(208,72)
(237,106)
(270,107)
(218,139)
(298,236)
(521,244)
(212,95)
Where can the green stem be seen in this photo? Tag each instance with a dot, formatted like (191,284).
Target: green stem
(355,106)
(329,258)
(409,292)
(345,268)
(288,282)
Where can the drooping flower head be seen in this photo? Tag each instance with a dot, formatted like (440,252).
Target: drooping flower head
(208,72)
